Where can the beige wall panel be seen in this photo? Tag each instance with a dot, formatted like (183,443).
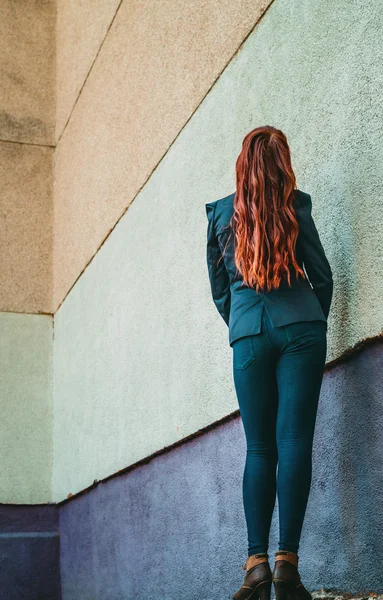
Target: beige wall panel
(26,228)
(81,28)
(27,70)
(156,64)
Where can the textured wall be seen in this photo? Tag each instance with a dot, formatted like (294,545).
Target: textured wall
(180,517)
(26,408)
(29,553)
(27,116)
(157,62)
(80,32)
(27,125)
(26,236)
(27,71)
(141,356)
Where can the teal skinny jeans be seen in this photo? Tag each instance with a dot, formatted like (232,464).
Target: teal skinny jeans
(277,376)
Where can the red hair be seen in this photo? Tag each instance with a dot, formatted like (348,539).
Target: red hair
(266,228)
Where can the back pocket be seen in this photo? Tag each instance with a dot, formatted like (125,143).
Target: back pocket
(243,352)
(306,331)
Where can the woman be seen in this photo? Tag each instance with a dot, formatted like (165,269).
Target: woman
(272,284)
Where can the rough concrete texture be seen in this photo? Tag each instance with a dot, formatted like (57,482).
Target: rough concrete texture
(26,228)
(174,528)
(27,71)
(26,408)
(81,28)
(156,64)
(29,553)
(141,354)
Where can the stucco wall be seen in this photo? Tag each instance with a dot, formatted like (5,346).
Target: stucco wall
(27,71)
(81,29)
(27,124)
(26,235)
(156,63)
(141,356)
(26,408)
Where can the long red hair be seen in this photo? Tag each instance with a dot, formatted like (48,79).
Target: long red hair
(264,221)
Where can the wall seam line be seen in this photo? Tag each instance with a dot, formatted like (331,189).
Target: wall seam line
(166,151)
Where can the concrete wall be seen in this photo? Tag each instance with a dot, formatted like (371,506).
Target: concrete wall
(27,126)
(27,118)
(174,528)
(29,553)
(141,356)
(27,71)
(26,235)
(26,408)
(80,32)
(155,64)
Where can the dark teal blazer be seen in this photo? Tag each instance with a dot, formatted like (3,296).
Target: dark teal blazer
(241,306)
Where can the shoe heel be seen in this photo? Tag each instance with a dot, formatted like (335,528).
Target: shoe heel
(264,590)
(283,590)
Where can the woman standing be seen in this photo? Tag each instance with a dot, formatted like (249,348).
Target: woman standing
(272,284)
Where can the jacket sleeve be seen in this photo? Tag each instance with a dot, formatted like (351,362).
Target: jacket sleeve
(218,275)
(314,258)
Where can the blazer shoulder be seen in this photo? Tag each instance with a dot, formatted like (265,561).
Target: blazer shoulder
(221,204)
(210,212)
(302,200)
(225,201)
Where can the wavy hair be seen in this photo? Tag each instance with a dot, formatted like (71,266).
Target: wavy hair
(264,221)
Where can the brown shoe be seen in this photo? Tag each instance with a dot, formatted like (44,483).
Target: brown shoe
(258,578)
(286,579)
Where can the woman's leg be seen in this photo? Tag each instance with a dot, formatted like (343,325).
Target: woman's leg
(256,388)
(299,374)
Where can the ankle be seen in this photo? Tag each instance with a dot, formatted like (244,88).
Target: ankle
(287,555)
(255,559)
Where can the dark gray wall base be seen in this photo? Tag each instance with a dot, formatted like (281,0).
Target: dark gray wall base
(29,553)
